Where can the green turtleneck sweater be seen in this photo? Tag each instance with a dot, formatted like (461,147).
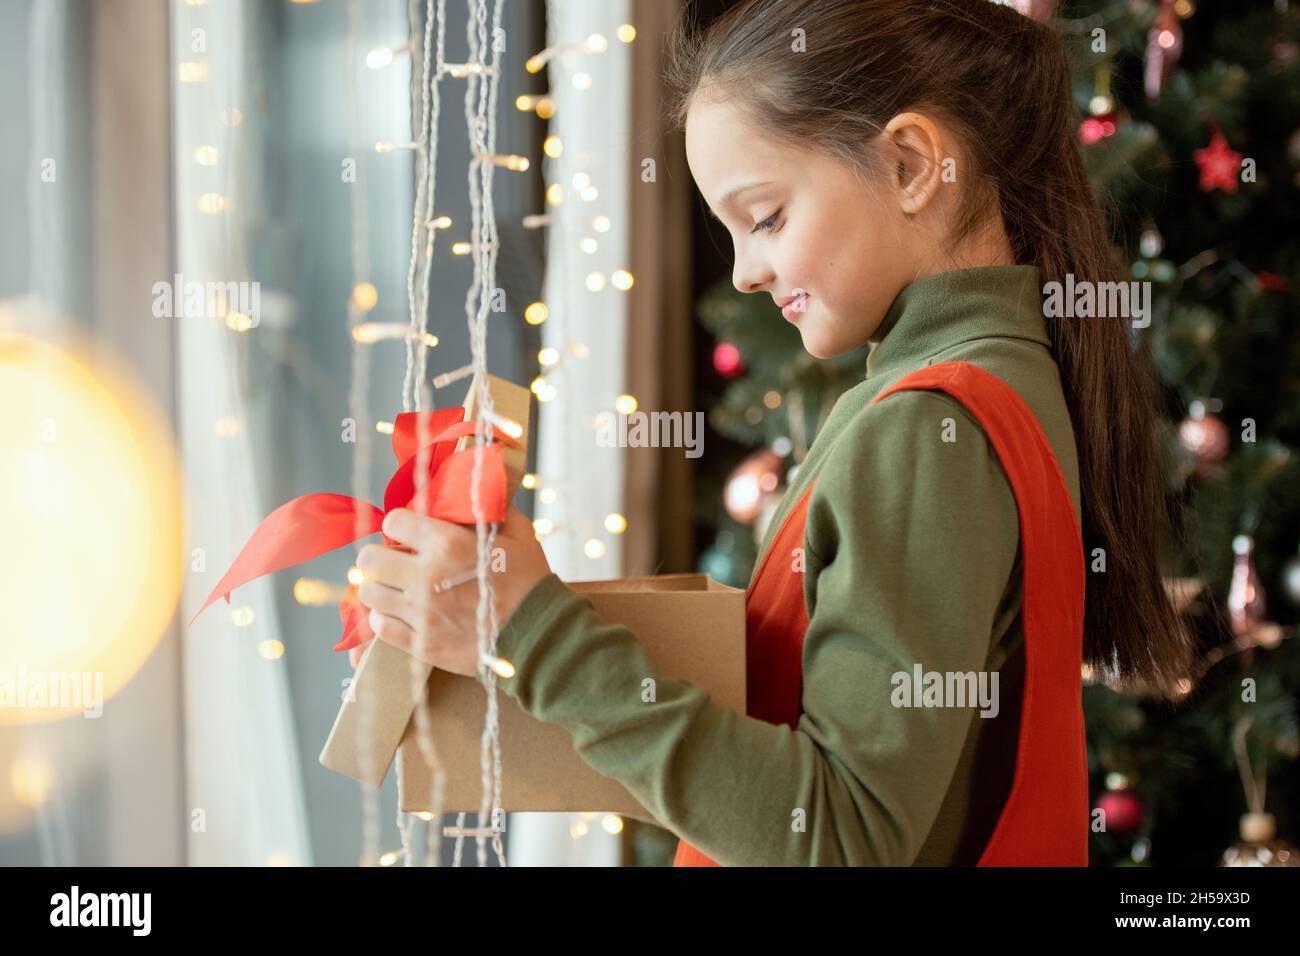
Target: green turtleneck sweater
(912,557)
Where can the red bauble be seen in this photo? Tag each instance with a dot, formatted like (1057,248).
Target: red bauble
(755,481)
(1204,436)
(1219,165)
(726,359)
(1096,128)
(1121,811)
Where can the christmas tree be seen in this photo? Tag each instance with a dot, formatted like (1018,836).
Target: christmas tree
(1190,128)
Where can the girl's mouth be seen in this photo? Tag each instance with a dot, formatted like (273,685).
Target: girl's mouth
(795,307)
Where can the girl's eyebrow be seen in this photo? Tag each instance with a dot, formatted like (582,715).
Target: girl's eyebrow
(730,197)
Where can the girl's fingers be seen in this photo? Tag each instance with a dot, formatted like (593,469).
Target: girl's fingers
(382,598)
(389,566)
(392,630)
(354,655)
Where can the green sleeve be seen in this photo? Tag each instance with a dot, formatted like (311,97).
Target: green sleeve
(910,541)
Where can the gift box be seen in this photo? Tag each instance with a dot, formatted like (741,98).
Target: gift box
(691,627)
(363,740)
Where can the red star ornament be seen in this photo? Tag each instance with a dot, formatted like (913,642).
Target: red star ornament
(1219,165)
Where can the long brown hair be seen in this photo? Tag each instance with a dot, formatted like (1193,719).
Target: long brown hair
(1001,82)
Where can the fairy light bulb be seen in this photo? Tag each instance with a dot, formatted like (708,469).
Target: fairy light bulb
(612,824)
(380,57)
(548,356)
(543,526)
(441,222)
(625,404)
(524,103)
(590,194)
(626,33)
(535,63)
(206,155)
(615,523)
(271,650)
(536,313)
(595,281)
(191,71)
(596,43)
(461,248)
(384,428)
(581,181)
(594,548)
(503,668)
(555,194)
(356,576)
(581,81)
(621,279)
(547,496)
(238,321)
(588,245)
(545,108)
(600,223)
(365,296)
(553,147)
(529,480)
(241,616)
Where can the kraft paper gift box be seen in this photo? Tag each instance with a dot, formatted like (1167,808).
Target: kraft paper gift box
(361,744)
(690,626)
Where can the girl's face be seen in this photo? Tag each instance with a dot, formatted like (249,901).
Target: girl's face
(809,234)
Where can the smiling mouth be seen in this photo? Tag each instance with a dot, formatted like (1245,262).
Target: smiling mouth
(795,306)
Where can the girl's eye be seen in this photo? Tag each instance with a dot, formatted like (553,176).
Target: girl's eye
(767,223)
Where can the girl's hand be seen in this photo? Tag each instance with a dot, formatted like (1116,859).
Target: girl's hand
(441,628)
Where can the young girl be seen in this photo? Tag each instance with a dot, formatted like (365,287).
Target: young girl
(904,173)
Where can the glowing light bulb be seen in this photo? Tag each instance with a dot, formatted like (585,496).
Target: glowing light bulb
(365,296)
(625,404)
(536,313)
(594,548)
(621,279)
(271,649)
(552,146)
(626,33)
(379,57)
(595,281)
(615,523)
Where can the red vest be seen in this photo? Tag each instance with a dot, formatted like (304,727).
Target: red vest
(1045,819)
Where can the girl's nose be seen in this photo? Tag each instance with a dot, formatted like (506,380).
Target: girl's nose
(751,275)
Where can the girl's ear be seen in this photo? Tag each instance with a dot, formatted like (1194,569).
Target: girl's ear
(914,148)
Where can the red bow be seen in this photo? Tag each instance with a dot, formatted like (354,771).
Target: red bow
(309,526)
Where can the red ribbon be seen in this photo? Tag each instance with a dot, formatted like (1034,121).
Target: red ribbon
(312,525)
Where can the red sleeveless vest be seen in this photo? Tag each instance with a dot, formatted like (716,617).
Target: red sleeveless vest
(1045,819)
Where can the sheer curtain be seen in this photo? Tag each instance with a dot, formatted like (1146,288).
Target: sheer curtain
(243,780)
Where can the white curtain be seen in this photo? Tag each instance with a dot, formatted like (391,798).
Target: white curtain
(244,787)
(594,127)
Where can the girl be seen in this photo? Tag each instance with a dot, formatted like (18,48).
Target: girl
(904,173)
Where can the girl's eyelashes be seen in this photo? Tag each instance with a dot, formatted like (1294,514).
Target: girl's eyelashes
(767,223)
